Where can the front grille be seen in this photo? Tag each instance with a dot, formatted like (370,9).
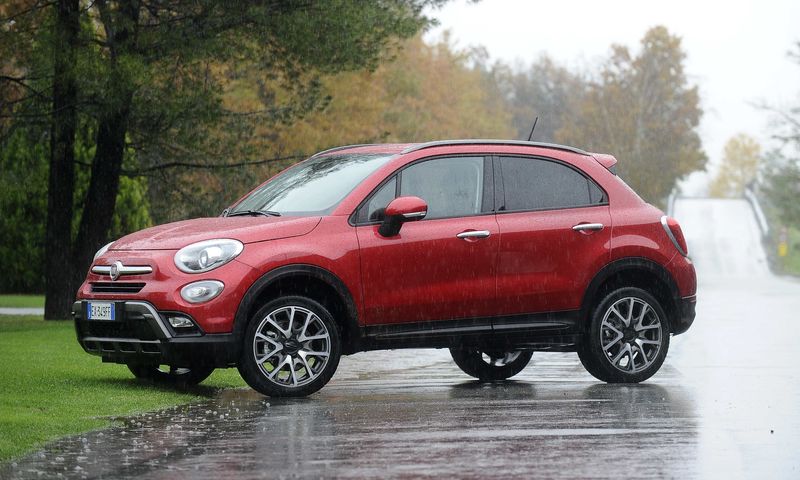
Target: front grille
(122,346)
(117,287)
(129,328)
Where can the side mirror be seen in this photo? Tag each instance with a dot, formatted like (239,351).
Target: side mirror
(399,211)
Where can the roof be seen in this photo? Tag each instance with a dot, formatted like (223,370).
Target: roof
(445,143)
(403,148)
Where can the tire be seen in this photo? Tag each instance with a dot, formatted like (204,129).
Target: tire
(172,376)
(627,339)
(490,365)
(277,361)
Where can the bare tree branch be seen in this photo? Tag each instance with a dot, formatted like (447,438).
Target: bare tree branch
(147,171)
(36,6)
(21,82)
(783,114)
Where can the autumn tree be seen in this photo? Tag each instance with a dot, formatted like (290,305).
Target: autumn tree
(430,91)
(740,163)
(642,109)
(145,76)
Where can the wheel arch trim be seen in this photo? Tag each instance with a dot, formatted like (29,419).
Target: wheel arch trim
(632,264)
(286,271)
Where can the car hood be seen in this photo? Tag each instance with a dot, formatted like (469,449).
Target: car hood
(172,236)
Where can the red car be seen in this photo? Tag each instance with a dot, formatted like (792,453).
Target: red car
(493,249)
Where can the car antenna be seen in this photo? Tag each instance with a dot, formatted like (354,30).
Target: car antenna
(533,128)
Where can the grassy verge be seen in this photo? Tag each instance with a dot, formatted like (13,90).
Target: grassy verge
(21,301)
(791,262)
(52,388)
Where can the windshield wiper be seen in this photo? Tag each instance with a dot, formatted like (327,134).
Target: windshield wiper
(266,213)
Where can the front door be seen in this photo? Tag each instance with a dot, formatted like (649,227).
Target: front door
(442,267)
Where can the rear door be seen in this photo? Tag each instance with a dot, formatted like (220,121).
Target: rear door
(555,231)
(432,271)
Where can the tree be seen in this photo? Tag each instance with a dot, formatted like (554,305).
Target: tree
(782,176)
(147,73)
(642,110)
(783,187)
(545,90)
(739,167)
(427,91)
(24,161)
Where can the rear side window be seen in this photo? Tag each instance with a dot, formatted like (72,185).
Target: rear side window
(537,184)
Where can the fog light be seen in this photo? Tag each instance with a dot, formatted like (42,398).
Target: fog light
(180,322)
(203,291)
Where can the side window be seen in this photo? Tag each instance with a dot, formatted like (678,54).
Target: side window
(533,184)
(373,210)
(596,196)
(452,187)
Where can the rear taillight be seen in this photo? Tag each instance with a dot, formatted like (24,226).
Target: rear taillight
(675,234)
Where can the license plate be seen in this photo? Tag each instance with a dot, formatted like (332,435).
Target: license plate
(100,311)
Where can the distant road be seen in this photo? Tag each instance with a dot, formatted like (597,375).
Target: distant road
(723,236)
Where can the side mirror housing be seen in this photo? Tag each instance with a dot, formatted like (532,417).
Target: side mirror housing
(399,211)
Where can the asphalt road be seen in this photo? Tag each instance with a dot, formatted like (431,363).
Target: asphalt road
(724,404)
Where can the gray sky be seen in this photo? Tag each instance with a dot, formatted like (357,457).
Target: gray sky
(736,50)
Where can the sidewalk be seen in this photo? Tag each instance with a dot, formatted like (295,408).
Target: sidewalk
(21,311)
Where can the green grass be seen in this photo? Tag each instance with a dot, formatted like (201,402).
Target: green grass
(21,301)
(51,388)
(791,262)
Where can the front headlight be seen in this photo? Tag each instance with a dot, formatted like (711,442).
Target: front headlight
(207,255)
(102,250)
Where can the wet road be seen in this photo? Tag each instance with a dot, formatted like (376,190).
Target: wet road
(723,406)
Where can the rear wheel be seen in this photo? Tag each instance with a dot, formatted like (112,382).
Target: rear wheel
(628,337)
(171,375)
(488,364)
(291,348)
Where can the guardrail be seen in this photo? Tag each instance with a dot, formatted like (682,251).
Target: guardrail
(671,202)
(756,206)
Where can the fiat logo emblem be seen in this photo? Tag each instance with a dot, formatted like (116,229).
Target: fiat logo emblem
(115,270)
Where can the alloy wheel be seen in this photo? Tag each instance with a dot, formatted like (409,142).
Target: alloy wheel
(291,346)
(631,335)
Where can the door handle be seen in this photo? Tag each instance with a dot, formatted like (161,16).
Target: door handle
(583,227)
(474,234)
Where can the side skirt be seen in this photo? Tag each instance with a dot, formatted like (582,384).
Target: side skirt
(553,331)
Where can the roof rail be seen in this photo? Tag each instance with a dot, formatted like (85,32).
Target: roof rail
(343,147)
(444,143)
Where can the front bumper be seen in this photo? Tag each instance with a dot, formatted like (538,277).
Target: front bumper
(686,314)
(142,335)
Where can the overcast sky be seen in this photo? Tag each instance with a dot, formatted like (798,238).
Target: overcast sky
(736,50)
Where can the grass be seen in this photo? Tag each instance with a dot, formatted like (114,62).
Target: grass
(791,262)
(52,388)
(21,301)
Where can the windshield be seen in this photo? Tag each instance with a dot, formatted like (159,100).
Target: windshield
(313,187)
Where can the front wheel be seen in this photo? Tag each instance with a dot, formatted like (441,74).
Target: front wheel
(627,339)
(490,365)
(291,348)
(171,375)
